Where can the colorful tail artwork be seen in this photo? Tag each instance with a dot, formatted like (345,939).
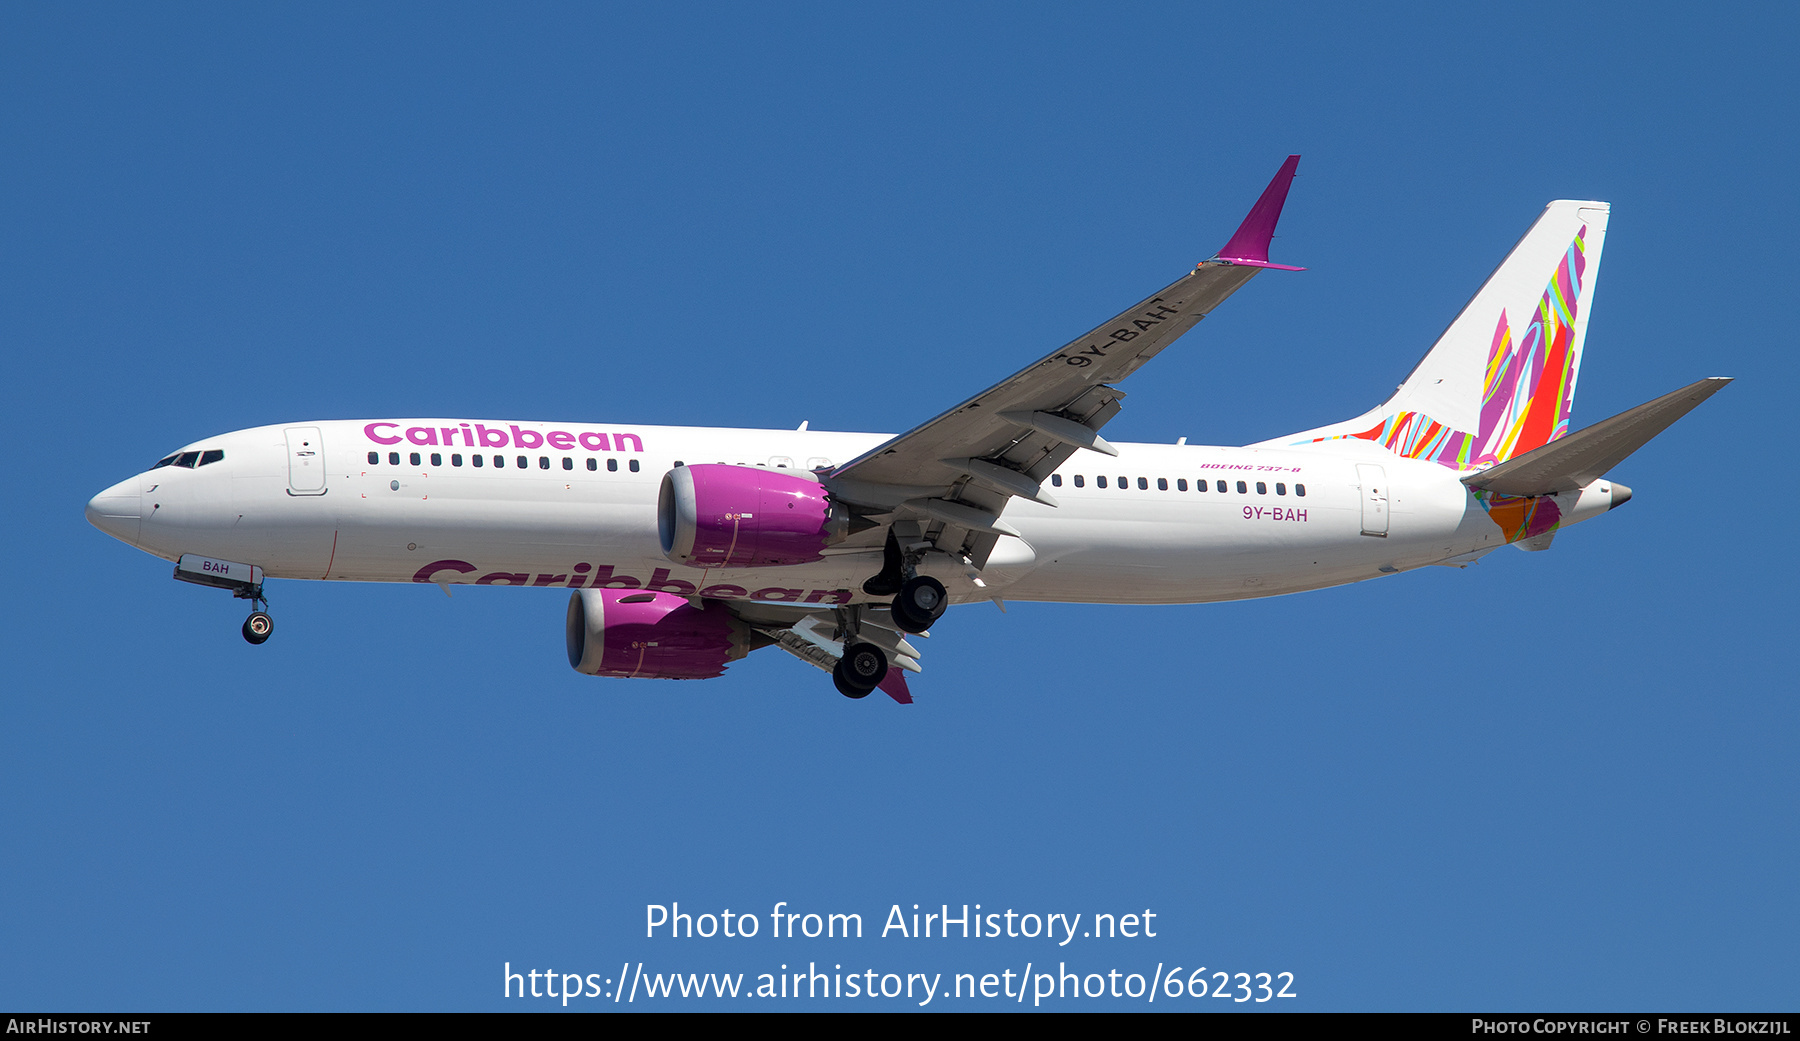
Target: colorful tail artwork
(1486,391)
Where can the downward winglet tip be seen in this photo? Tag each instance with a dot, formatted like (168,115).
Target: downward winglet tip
(894,686)
(1250,246)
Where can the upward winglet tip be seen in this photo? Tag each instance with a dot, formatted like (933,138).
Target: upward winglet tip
(1249,247)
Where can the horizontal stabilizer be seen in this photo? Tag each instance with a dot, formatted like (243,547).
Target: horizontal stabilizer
(1577,460)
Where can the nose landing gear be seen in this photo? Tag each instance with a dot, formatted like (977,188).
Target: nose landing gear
(245,582)
(259,625)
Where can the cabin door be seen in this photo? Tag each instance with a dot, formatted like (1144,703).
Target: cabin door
(306,461)
(1374,499)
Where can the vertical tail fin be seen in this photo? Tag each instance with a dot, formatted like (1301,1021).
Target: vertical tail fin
(1501,379)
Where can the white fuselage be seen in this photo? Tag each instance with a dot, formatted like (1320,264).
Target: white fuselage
(305,501)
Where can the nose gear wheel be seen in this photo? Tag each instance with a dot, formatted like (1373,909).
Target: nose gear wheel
(258,627)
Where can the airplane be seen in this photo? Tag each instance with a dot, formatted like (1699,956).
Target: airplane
(686,548)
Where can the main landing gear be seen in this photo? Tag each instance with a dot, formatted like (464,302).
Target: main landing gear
(860,670)
(919,600)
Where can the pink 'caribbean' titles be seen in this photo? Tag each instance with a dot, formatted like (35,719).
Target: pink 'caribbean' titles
(498,435)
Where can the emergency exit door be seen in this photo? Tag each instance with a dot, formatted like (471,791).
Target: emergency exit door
(1374,499)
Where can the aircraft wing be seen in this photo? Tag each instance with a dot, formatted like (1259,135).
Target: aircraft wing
(960,469)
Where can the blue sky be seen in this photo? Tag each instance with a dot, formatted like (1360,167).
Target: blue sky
(1562,780)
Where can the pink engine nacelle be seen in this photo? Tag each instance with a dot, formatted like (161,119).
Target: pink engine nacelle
(713,515)
(629,633)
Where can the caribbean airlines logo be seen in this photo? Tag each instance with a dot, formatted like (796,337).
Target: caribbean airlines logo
(586,575)
(510,435)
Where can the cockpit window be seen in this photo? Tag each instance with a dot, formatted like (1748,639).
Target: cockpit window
(165,461)
(212,455)
(187,460)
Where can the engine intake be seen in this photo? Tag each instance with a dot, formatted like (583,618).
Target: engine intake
(714,515)
(628,633)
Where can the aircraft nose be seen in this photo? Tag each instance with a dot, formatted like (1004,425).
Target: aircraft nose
(117,511)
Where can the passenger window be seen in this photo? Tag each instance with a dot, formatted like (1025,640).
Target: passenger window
(1056,480)
(393,458)
(1262,488)
(1099,482)
(1162,484)
(415,459)
(1221,485)
(826,462)
(568,464)
(499,462)
(612,465)
(1300,490)
(543,462)
(1124,483)
(437,459)
(1241,489)
(374,459)
(593,464)
(476,459)
(1144,484)
(1181,484)
(525,463)
(456,459)
(1080,480)
(634,466)
(1280,489)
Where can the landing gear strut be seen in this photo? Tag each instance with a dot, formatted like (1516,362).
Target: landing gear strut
(860,670)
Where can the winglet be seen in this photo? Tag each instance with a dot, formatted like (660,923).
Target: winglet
(1250,246)
(894,686)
